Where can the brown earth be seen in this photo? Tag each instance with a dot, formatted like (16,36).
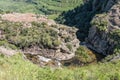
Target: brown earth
(26,17)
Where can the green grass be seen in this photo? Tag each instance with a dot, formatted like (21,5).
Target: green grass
(16,68)
(48,7)
(12,6)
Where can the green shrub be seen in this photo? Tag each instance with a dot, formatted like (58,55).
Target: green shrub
(6,44)
(100,22)
(69,46)
(115,36)
(67,39)
(48,7)
(39,34)
(16,68)
(46,40)
(85,55)
(56,42)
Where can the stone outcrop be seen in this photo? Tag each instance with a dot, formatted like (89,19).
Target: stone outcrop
(65,51)
(103,37)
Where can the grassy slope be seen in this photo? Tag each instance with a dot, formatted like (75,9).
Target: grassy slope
(52,5)
(16,68)
(8,5)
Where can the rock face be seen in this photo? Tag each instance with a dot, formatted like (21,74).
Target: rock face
(59,44)
(104,34)
(103,5)
(65,51)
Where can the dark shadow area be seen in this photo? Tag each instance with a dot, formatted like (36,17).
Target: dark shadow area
(81,16)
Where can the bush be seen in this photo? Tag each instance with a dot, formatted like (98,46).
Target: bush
(39,34)
(16,68)
(85,55)
(100,22)
(56,42)
(8,45)
(69,46)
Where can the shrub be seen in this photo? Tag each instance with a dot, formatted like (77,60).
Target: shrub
(69,46)
(85,55)
(67,39)
(115,35)
(39,34)
(56,43)
(6,44)
(100,21)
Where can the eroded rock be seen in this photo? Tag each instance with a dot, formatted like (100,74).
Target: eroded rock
(65,51)
(104,34)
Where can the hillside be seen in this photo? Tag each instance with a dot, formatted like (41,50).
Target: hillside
(82,44)
(98,24)
(16,68)
(48,7)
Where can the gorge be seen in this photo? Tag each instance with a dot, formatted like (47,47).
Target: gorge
(59,40)
(98,25)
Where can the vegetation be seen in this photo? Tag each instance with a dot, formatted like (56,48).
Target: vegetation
(100,22)
(23,37)
(115,37)
(79,17)
(85,55)
(7,45)
(41,35)
(69,46)
(49,7)
(16,68)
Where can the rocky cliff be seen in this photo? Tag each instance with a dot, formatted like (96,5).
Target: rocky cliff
(39,38)
(104,34)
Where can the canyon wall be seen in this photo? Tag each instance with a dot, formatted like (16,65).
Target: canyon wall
(104,34)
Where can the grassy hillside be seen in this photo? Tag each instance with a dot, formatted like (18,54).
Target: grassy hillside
(48,7)
(16,68)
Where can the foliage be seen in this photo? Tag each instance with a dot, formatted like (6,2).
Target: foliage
(69,46)
(8,45)
(79,17)
(115,35)
(100,22)
(48,7)
(16,68)
(22,37)
(115,38)
(85,55)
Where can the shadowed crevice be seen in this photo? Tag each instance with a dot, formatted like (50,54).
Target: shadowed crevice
(81,16)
